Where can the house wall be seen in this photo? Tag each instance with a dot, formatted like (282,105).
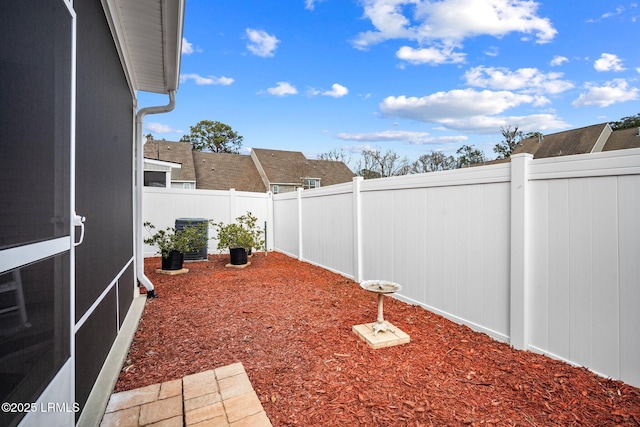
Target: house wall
(104,195)
(67,138)
(539,253)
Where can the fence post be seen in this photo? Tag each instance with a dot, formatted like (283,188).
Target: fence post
(271,236)
(299,190)
(519,303)
(232,205)
(357,229)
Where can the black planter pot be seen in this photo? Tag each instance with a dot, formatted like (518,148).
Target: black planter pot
(238,256)
(173,261)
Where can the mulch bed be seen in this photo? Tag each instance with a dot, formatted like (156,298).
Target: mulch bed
(289,323)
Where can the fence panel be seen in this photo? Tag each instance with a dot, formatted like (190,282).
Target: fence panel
(585,288)
(286,223)
(162,206)
(447,246)
(327,230)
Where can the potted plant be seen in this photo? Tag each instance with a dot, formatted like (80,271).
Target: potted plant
(172,244)
(239,237)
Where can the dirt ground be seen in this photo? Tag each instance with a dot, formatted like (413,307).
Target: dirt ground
(289,323)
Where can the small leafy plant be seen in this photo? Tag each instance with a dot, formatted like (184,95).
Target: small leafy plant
(191,238)
(243,233)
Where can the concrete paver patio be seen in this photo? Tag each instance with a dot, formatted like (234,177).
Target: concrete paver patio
(214,398)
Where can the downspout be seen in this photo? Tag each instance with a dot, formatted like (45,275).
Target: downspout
(139,247)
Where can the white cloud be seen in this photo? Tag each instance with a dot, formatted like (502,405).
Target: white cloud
(203,81)
(386,16)
(430,55)
(161,128)
(558,60)
(455,103)
(489,124)
(618,11)
(471,111)
(493,51)
(451,21)
(311,4)
(282,89)
(412,137)
(187,48)
(528,80)
(261,43)
(357,149)
(612,92)
(337,91)
(608,62)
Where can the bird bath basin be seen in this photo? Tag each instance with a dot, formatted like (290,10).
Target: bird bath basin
(382,288)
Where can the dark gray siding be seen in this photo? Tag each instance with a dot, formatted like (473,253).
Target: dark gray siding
(104,192)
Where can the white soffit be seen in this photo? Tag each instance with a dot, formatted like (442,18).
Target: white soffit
(148,35)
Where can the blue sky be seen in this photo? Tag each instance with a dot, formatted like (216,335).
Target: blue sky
(407,75)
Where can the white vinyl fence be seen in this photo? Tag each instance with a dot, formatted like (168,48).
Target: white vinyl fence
(162,206)
(543,254)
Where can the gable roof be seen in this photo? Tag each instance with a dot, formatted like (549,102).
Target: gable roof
(622,139)
(175,152)
(281,167)
(330,172)
(289,167)
(575,141)
(222,171)
(254,173)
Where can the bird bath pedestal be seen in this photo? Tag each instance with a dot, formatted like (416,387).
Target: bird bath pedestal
(369,331)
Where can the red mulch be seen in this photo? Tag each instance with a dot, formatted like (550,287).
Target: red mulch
(290,323)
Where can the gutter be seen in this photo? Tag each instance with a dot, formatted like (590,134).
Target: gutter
(139,248)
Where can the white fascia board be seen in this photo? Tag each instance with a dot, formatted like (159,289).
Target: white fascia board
(173,24)
(171,165)
(172,21)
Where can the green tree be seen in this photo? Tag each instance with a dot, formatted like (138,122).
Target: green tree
(626,122)
(432,162)
(213,136)
(468,155)
(512,137)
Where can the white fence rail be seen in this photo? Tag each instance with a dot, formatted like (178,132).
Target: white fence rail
(544,254)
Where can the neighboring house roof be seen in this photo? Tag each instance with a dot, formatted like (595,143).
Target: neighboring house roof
(281,167)
(622,139)
(175,152)
(222,171)
(575,141)
(289,167)
(330,172)
(255,173)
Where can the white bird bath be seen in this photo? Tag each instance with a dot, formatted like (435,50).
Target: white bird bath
(382,288)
